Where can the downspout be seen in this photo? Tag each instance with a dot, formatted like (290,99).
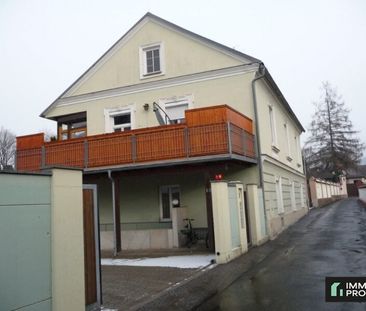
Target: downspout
(114,213)
(261,70)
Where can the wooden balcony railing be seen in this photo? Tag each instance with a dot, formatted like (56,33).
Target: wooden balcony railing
(160,143)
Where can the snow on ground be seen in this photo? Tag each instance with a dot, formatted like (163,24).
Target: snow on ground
(190,261)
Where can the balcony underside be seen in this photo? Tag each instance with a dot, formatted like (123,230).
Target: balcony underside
(167,163)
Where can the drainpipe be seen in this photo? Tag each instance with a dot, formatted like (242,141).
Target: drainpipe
(261,71)
(114,213)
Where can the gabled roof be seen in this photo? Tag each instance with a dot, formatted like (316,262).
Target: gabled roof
(150,16)
(209,42)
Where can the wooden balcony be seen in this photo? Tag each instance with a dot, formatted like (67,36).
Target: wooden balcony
(217,132)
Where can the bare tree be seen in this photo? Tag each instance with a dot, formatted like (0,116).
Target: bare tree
(333,146)
(7,148)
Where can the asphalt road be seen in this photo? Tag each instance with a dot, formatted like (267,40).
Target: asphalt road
(330,241)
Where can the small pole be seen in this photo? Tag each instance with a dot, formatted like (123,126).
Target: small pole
(229,137)
(86,153)
(133,148)
(43,157)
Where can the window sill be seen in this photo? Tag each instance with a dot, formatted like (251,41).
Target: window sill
(151,75)
(166,220)
(275,149)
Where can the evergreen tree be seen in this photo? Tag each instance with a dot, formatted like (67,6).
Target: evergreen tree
(333,146)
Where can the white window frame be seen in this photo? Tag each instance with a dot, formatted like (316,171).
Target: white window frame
(279,195)
(143,65)
(176,101)
(302,199)
(110,113)
(170,201)
(293,196)
(298,150)
(272,124)
(287,134)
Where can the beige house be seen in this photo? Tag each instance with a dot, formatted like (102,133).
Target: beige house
(171,125)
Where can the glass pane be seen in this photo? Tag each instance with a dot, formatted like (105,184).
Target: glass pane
(78,134)
(156,63)
(165,204)
(122,119)
(156,60)
(78,124)
(149,62)
(176,112)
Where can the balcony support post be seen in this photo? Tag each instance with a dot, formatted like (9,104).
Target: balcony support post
(116,214)
(229,142)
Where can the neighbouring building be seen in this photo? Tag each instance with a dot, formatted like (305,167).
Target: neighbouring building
(171,125)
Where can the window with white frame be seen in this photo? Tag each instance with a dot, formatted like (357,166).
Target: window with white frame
(298,149)
(169,198)
(151,60)
(175,108)
(287,135)
(302,200)
(122,122)
(176,111)
(280,207)
(272,123)
(293,198)
(119,119)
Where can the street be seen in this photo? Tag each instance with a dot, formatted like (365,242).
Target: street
(329,241)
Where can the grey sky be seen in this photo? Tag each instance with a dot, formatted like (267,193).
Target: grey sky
(46,45)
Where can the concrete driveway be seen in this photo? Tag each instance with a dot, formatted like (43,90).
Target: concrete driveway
(136,277)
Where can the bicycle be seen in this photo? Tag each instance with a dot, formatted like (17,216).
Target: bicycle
(192,237)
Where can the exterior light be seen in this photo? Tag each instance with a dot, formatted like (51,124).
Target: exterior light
(218,177)
(146,107)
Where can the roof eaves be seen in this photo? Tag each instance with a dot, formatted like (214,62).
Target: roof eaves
(43,114)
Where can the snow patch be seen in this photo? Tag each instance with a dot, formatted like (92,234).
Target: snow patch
(184,262)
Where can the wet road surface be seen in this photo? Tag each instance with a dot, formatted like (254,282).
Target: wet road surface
(330,241)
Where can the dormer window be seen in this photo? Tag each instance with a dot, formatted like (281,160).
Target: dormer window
(151,60)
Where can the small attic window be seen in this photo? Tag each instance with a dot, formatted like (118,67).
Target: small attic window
(151,60)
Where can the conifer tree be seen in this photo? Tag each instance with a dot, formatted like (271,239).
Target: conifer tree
(333,146)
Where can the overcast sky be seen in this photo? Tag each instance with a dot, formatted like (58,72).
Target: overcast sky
(46,45)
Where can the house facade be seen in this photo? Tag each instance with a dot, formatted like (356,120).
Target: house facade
(162,115)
